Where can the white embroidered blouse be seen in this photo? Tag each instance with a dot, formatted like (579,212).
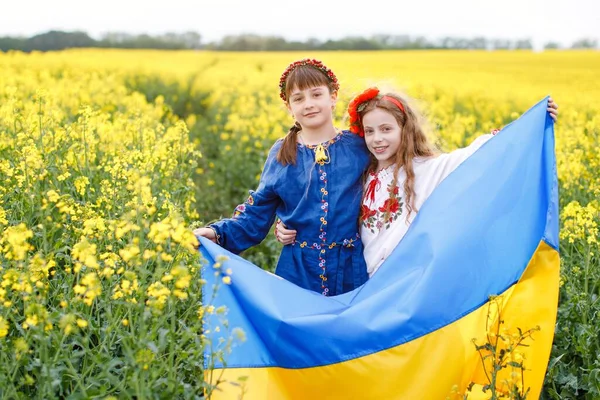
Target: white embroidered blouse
(380,233)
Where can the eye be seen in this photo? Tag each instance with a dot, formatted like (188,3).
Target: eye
(317,94)
(368,131)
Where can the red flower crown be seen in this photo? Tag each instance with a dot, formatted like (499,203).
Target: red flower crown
(359,103)
(356,106)
(307,61)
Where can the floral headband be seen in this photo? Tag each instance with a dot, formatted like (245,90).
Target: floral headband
(307,61)
(359,103)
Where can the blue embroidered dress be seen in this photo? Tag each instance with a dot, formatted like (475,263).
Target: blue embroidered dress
(321,201)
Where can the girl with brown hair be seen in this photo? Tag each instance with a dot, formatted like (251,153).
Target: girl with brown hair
(404,170)
(312,173)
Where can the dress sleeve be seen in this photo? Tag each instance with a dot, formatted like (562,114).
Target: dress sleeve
(252,219)
(446,163)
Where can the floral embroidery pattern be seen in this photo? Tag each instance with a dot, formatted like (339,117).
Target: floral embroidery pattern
(241,208)
(378,218)
(323,230)
(322,246)
(328,143)
(343,243)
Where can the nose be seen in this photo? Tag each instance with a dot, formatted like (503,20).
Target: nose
(308,103)
(377,136)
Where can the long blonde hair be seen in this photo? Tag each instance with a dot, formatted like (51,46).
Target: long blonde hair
(413,143)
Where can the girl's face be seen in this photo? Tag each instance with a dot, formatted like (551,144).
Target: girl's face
(312,107)
(382,135)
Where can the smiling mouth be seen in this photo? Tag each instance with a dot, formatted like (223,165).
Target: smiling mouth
(380,149)
(310,114)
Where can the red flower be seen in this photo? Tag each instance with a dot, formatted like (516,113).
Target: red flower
(363,97)
(353,113)
(366,212)
(392,204)
(307,61)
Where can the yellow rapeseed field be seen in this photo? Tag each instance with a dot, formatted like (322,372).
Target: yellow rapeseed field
(107,158)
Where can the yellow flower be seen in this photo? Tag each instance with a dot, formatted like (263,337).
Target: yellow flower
(29,380)
(3,220)
(127,287)
(94,226)
(85,252)
(89,288)
(180,294)
(145,357)
(21,347)
(239,334)
(183,277)
(13,242)
(148,254)
(107,272)
(53,196)
(166,257)
(157,295)
(64,177)
(67,323)
(3,327)
(81,183)
(581,223)
(130,252)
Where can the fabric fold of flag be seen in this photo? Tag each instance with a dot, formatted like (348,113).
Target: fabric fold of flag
(490,228)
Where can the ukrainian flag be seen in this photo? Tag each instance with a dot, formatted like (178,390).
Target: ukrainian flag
(490,228)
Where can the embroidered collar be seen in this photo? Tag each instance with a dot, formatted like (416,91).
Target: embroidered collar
(326,143)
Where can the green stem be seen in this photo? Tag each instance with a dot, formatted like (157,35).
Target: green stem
(586,282)
(41,130)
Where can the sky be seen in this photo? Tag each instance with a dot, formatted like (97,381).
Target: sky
(559,21)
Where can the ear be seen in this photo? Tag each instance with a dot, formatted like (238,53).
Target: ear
(333,98)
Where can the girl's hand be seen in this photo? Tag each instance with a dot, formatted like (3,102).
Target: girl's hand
(553,109)
(284,236)
(207,233)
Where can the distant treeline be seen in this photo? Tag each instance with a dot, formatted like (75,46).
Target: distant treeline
(59,40)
